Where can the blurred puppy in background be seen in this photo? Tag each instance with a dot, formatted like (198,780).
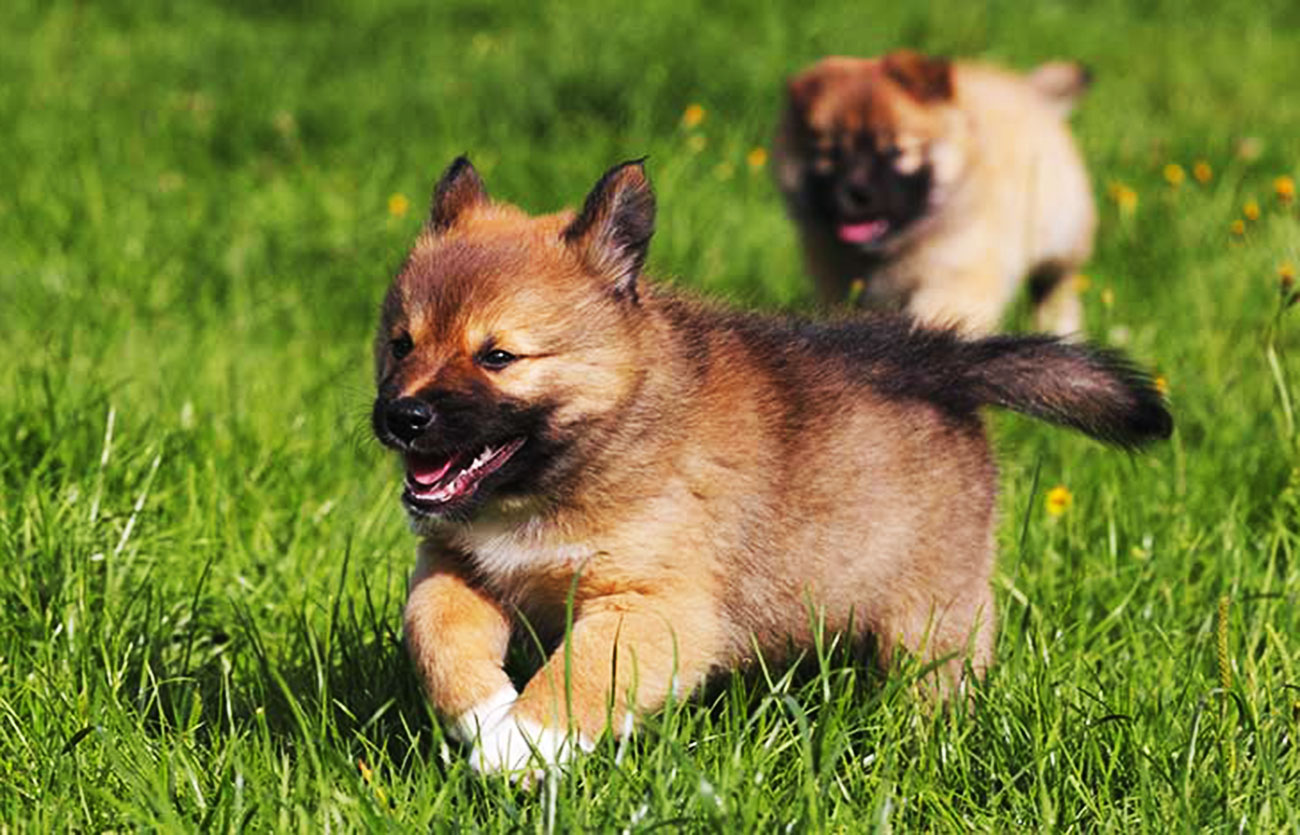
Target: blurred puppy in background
(939,186)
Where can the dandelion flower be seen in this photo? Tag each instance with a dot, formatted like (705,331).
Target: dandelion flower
(1286,275)
(1174,174)
(756,158)
(856,288)
(1238,227)
(693,115)
(1202,171)
(1161,384)
(1059,499)
(1124,196)
(1250,210)
(1108,297)
(1285,188)
(398,205)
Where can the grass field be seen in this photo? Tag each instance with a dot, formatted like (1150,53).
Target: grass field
(202,556)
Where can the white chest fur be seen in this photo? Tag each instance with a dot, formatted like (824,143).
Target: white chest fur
(506,550)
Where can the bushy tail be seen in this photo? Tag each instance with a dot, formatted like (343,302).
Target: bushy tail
(1093,390)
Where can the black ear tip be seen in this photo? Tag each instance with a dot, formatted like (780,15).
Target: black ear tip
(634,168)
(458,166)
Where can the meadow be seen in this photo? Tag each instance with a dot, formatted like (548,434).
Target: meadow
(202,555)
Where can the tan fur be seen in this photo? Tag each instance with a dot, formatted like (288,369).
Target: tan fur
(1011,195)
(701,522)
(704,484)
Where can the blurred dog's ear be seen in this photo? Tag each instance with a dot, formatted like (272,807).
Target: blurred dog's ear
(926,79)
(802,90)
(460,188)
(612,233)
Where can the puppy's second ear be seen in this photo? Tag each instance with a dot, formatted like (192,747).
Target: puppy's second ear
(459,189)
(926,79)
(802,90)
(612,233)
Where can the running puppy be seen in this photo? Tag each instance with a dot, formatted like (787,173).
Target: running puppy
(940,186)
(694,475)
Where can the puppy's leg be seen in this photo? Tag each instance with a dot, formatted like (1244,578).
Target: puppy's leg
(1054,291)
(972,303)
(457,638)
(623,658)
(952,631)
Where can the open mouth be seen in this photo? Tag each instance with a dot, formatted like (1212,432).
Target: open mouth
(863,233)
(433,482)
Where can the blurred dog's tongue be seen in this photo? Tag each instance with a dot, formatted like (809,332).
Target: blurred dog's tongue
(428,471)
(862,233)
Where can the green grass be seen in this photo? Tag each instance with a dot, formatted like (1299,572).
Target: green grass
(202,559)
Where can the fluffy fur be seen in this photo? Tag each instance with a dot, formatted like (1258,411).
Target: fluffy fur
(695,477)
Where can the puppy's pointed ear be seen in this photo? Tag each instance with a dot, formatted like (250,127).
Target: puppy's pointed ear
(802,90)
(926,79)
(612,233)
(460,188)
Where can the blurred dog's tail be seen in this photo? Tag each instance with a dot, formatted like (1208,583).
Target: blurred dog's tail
(1061,83)
(1093,390)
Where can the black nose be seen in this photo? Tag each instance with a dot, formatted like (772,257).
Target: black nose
(856,197)
(407,417)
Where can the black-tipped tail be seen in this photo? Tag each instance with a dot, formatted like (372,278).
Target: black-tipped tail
(1093,390)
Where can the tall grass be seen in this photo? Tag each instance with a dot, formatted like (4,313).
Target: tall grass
(202,560)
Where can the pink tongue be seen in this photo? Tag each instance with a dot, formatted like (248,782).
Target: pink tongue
(862,233)
(426,473)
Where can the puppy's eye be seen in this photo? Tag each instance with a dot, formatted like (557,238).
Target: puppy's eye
(401,345)
(496,359)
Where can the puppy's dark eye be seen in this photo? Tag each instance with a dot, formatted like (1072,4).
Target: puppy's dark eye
(496,359)
(401,345)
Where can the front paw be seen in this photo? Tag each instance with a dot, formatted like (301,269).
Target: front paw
(514,744)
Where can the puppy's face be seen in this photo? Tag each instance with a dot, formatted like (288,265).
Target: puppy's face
(506,340)
(868,142)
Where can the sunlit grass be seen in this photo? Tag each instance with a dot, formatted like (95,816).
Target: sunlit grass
(202,560)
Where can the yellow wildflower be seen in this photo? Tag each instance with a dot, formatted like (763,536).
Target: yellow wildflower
(1059,499)
(757,158)
(1238,227)
(1108,297)
(1161,384)
(1124,196)
(1174,174)
(1286,275)
(1250,210)
(697,142)
(693,115)
(1285,188)
(1202,171)
(398,205)
(856,288)
(369,777)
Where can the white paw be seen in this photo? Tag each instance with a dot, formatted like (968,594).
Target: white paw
(504,742)
(483,717)
(516,744)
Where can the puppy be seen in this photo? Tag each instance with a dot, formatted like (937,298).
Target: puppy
(938,186)
(682,481)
